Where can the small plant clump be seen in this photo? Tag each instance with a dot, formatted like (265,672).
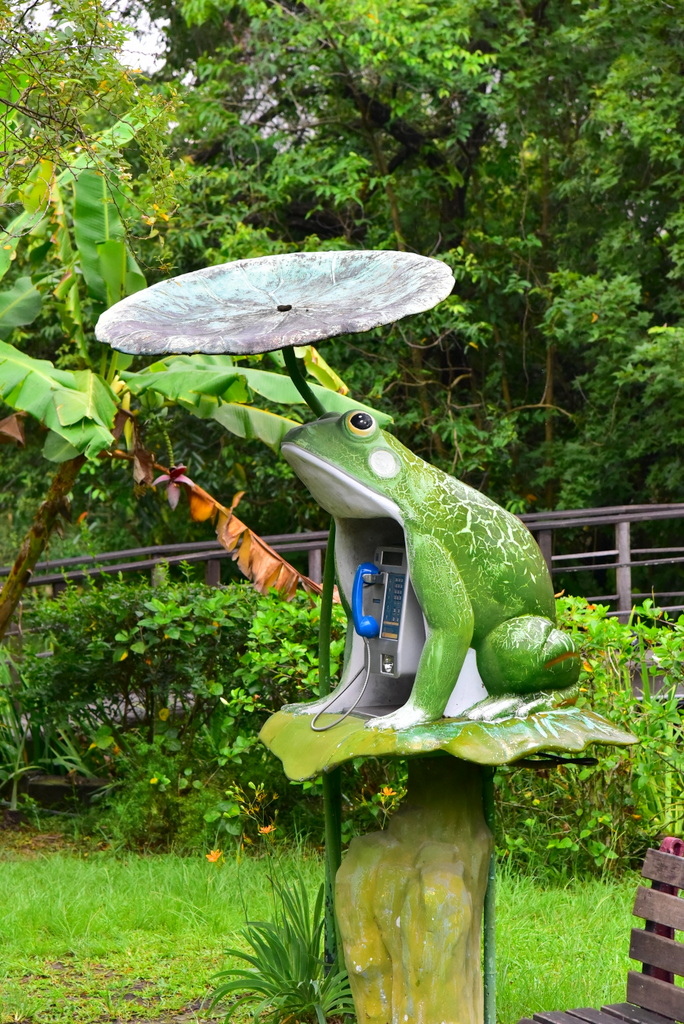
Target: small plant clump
(287,979)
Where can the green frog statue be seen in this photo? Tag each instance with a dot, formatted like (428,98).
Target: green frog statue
(478,576)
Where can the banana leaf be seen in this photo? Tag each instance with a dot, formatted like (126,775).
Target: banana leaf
(77,406)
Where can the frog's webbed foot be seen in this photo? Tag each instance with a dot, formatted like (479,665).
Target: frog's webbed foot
(309,707)
(405,717)
(498,709)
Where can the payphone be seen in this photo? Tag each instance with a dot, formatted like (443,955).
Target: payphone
(387,639)
(388,622)
(386,612)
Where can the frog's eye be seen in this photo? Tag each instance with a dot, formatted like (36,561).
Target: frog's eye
(361,423)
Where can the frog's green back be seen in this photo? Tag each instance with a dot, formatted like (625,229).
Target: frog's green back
(479,577)
(500,563)
(498,558)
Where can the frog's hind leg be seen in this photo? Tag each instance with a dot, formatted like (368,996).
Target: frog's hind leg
(527,654)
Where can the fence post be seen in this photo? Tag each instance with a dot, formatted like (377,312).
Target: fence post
(545,542)
(315,570)
(212,572)
(623,572)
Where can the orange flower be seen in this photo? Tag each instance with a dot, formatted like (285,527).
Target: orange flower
(265,830)
(214,856)
(386,791)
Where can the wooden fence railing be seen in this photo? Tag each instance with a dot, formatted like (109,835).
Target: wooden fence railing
(621,559)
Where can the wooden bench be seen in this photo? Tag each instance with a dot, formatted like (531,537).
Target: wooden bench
(652,996)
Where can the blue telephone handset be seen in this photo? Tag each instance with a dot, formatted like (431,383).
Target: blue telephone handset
(365,625)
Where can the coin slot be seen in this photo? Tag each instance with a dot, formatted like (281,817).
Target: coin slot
(284,309)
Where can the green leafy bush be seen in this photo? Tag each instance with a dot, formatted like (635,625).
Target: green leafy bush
(163,690)
(14,732)
(578,819)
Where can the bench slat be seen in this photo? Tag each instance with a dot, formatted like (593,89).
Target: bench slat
(660,907)
(657,951)
(653,994)
(592,1016)
(554,1017)
(635,1014)
(664,867)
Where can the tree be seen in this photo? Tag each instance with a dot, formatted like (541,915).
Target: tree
(67,256)
(64,255)
(535,146)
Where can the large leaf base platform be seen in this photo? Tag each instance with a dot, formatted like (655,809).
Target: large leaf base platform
(305,753)
(409,899)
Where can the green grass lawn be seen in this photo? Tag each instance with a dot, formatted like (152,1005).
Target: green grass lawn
(104,940)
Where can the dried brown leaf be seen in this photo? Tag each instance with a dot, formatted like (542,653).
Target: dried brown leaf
(143,466)
(201,508)
(263,566)
(12,429)
(257,560)
(237,498)
(244,560)
(120,420)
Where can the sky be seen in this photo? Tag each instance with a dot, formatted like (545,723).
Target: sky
(140,51)
(143,48)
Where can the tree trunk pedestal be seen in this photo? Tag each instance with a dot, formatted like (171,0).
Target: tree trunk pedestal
(409,902)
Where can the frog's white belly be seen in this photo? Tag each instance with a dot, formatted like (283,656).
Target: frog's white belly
(469,688)
(345,498)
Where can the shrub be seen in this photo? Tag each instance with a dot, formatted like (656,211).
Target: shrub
(164,690)
(580,819)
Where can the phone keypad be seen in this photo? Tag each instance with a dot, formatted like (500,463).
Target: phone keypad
(394,599)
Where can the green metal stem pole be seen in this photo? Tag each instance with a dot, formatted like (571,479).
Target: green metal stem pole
(303,388)
(332,781)
(489,943)
(332,809)
(326,616)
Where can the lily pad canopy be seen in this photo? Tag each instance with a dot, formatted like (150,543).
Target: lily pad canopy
(272,302)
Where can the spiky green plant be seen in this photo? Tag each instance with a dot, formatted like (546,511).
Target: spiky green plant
(287,979)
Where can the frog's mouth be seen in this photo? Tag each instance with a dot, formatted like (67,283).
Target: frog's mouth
(337,492)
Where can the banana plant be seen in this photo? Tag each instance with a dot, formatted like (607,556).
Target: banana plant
(71,238)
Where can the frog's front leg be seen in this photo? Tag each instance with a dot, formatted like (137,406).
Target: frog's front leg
(527,654)
(448,615)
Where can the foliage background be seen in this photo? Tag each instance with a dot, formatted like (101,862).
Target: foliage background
(535,146)
(160,695)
